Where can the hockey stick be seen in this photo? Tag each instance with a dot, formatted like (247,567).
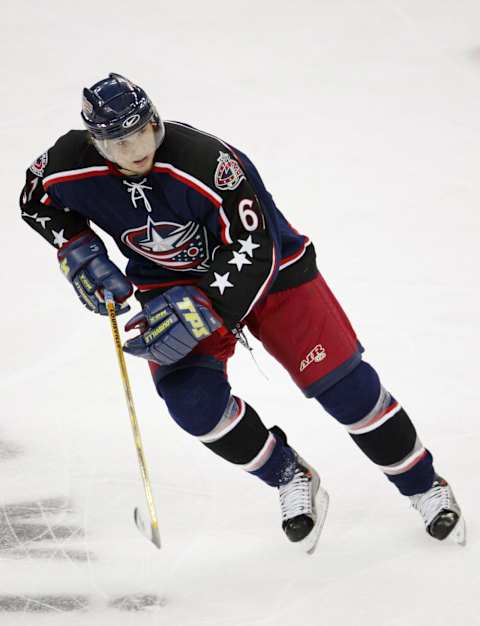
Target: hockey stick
(151,533)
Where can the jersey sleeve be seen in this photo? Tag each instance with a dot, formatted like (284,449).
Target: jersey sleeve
(45,213)
(246,262)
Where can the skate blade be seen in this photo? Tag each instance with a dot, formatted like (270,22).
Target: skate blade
(459,533)
(309,544)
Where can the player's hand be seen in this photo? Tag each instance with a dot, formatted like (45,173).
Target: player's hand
(85,263)
(171,325)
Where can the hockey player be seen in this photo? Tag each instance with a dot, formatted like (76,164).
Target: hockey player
(209,253)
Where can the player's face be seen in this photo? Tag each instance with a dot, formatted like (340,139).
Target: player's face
(133,154)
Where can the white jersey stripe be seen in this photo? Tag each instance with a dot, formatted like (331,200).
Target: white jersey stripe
(74,173)
(264,286)
(225,226)
(296,257)
(171,168)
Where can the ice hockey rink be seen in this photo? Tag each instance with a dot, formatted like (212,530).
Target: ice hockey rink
(363,118)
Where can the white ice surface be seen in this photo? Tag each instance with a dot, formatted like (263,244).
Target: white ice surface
(363,118)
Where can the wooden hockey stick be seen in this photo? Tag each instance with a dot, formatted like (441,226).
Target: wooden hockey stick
(152,533)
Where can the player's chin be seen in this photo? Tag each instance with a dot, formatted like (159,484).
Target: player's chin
(142,166)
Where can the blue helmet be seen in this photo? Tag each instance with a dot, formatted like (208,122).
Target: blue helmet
(115,107)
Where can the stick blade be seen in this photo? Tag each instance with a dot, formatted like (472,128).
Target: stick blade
(150,531)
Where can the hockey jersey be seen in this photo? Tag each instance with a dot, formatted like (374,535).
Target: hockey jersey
(202,216)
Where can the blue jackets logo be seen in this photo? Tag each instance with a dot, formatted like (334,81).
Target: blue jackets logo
(179,247)
(38,166)
(228,174)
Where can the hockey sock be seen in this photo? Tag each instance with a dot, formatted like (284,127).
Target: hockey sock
(199,400)
(381,428)
(241,438)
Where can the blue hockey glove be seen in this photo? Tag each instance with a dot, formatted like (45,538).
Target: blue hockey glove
(85,263)
(172,325)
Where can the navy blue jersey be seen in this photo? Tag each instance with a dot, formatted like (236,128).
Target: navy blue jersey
(201,216)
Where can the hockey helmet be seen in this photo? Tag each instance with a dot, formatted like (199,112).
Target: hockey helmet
(114,108)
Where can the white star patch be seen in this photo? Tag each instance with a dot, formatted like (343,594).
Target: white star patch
(239,260)
(42,220)
(221,282)
(58,238)
(34,216)
(248,246)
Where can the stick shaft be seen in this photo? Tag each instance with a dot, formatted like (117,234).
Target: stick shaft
(110,304)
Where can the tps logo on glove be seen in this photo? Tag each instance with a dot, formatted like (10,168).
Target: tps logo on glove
(172,325)
(199,329)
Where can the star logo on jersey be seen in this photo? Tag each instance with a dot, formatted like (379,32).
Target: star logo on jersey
(221,282)
(239,260)
(59,238)
(248,246)
(228,174)
(40,220)
(179,247)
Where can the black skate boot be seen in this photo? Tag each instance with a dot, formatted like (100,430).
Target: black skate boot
(440,512)
(304,505)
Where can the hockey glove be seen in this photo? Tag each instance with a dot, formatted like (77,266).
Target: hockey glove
(172,324)
(85,263)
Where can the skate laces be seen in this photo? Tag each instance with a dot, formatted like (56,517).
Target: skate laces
(430,503)
(295,496)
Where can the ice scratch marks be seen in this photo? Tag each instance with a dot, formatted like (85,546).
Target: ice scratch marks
(137,602)
(72,555)
(37,508)
(13,535)
(23,525)
(68,603)
(42,604)
(46,529)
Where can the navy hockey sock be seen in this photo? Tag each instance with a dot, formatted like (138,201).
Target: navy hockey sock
(241,438)
(199,401)
(196,397)
(381,428)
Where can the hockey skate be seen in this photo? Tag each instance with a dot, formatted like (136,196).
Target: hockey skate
(304,506)
(440,512)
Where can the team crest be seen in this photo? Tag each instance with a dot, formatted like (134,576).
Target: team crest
(38,166)
(178,247)
(228,174)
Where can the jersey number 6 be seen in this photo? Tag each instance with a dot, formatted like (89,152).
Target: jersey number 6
(247,215)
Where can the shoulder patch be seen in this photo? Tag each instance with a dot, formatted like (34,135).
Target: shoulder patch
(39,165)
(228,174)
